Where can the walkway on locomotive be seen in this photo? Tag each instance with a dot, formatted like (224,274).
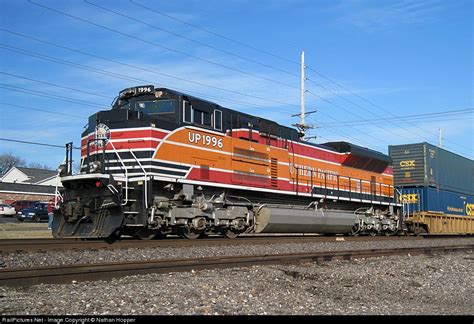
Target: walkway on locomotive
(194,141)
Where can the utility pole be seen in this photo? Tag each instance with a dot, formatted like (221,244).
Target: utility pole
(302,127)
(302,91)
(440,144)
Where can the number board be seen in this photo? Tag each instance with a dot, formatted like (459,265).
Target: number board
(147,89)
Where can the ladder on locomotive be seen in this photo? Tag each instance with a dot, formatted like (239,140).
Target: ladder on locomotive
(127,202)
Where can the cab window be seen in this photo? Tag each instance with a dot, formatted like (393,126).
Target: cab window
(217,119)
(156,106)
(198,116)
(187,112)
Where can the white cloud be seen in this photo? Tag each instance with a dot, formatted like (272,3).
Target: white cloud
(372,16)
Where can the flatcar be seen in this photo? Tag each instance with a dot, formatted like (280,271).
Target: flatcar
(162,162)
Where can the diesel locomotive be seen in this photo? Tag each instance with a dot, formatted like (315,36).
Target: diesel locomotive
(162,162)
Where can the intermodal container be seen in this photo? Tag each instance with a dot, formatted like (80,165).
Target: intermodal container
(428,199)
(426,165)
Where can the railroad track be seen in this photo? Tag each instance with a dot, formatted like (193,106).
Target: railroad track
(28,245)
(106,271)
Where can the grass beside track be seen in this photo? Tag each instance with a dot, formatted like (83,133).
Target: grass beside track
(24,230)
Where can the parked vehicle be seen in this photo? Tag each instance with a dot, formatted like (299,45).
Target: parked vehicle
(36,214)
(7,210)
(20,204)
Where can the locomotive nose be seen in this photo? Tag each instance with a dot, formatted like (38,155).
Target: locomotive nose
(97,214)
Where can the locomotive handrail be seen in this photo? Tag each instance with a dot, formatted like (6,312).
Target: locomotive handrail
(126,174)
(146,176)
(405,205)
(56,190)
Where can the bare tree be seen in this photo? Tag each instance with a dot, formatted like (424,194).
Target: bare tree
(36,165)
(9,160)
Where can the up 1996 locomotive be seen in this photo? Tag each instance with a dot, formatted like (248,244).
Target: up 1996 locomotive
(163,162)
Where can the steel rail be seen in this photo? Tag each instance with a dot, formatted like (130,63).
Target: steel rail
(106,271)
(17,245)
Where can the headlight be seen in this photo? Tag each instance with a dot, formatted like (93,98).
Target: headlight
(31,214)
(95,166)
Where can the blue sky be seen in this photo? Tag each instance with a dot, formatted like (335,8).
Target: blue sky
(392,58)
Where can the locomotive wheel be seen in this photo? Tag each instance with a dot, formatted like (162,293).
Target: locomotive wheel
(231,234)
(355,230)
(389,233)
(204,235)
(189,234)
(147,234)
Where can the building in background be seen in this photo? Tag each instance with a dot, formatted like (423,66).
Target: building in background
(20,183)
(31,176)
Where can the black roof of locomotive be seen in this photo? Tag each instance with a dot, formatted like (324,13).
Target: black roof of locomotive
(345,147)
(213,105)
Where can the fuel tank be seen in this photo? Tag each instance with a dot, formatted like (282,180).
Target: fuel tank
(288,219)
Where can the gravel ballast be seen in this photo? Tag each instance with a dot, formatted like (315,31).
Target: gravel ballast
(397,285)
(50,258)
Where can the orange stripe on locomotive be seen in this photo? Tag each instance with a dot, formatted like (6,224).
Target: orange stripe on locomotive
(225,159)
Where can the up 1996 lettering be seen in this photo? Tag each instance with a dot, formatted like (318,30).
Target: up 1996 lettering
(204,139)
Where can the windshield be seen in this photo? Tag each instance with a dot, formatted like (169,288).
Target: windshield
(124,104)
(156,106)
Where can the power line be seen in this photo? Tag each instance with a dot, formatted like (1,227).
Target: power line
(35,143)
(265,52)
(216,34)
(42,94)
(396,124)
(82,117)
(423,117)
(355,104)
(60,61)
(49,58)
(116,75)
(350,112)
(354,139)
(56,60)
(379,107)
(41,110)
(187,38)
(237,42)
(55,85)
(121,76)
(64,62)
(137,20)
(179,51)
(164,47)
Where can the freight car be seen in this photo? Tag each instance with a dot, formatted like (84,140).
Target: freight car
(163,162)
(436,188)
